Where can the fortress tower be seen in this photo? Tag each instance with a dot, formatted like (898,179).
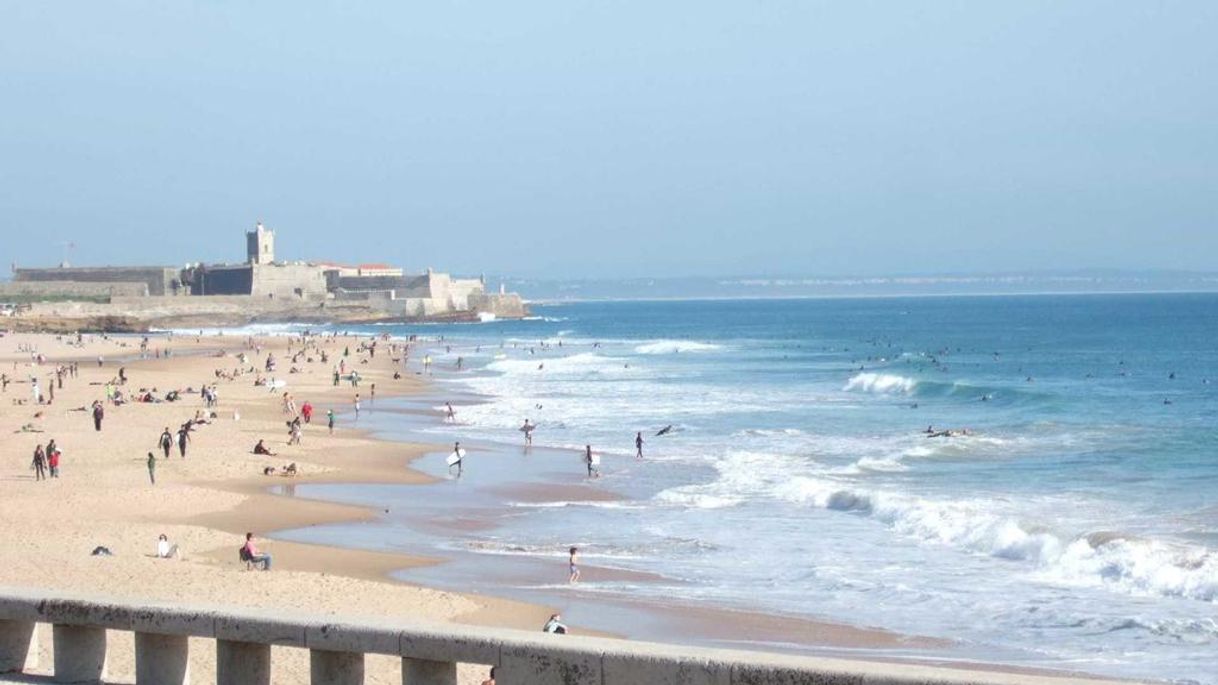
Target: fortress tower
(260,245)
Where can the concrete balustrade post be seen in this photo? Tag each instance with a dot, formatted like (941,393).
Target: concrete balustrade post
(80,653)
(18,646)
(335,668)
(425,672)
(162,659)
(242,663)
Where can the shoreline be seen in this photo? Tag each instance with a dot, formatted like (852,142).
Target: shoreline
(215,497)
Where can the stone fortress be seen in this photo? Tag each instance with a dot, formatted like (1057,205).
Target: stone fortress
(259,290)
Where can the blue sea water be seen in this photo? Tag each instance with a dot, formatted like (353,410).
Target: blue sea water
(1075,524)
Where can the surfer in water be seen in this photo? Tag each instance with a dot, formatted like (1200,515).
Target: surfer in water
(638,445)
(590,462)
(450,413)
(527,429)
(665,430)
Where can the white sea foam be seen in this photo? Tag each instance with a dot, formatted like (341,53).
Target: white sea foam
(880,383)
(1136,566)
(675,346)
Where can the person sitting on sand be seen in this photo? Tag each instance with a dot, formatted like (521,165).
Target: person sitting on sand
(261,448)
(555,625)
(254,555)
(165,550)
(290,469)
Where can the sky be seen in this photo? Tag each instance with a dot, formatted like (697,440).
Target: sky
(615,138)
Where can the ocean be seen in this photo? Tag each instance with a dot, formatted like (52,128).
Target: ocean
(1069,518)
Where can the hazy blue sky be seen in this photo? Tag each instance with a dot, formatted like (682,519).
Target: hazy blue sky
(633,138)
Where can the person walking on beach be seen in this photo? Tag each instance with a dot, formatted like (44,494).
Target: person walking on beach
(590,462)
(53,459)
(152,468)
(306,411)
(527,429)
(356,403)
(252,553)
(39,464)
(573,565)
(183,438)
(166,442)
(330,420)
(99,413)
(638,445)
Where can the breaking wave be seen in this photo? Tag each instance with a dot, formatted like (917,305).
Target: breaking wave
(1118,562)
(880,383)
(675,346)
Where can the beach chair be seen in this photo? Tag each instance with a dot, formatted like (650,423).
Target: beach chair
(244,555)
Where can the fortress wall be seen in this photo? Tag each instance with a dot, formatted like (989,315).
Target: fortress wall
(72,289)
(506,306)
(159,279)
(289,281)
(461,292)
(220,281)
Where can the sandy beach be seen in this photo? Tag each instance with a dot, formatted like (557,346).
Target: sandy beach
(206,501)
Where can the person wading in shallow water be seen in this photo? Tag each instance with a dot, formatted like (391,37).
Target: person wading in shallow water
(590,461)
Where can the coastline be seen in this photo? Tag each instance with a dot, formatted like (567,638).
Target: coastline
(216,495)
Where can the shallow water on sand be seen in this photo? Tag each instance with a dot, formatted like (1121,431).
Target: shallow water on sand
(1075,525)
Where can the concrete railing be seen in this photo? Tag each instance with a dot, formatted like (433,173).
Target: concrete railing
(429,652)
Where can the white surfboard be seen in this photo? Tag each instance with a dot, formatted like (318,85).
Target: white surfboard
(596,460)
(455,458)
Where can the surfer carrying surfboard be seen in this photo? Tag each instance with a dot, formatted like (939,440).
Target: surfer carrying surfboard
(456,458)
(527,429)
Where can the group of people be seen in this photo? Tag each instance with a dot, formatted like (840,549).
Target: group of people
(46,461)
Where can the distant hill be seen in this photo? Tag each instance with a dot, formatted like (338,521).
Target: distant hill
(1096,281)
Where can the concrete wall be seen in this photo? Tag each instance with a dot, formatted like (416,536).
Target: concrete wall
(429,652)
(159,279)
